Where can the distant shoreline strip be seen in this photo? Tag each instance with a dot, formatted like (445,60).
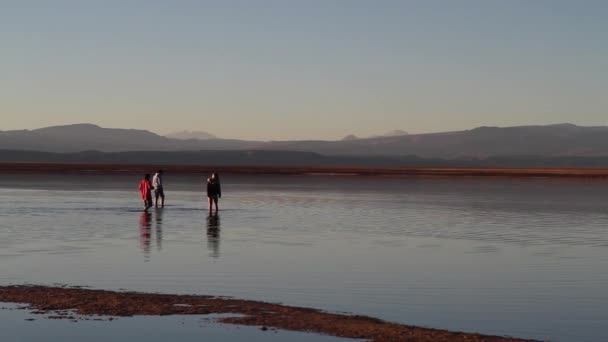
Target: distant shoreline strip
(81,168)
(64,302)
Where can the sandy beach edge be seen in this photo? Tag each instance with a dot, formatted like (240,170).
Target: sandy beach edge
(93,302)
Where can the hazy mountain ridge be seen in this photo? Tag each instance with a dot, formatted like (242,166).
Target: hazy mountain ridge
(394,133)
(186,135)
(561,140)
(83,137)
(550,140)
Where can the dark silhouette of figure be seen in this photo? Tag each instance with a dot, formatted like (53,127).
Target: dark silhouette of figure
(145,190)
(213,235)
(214,192)
(145,232)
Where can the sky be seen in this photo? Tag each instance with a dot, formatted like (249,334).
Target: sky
(309,69)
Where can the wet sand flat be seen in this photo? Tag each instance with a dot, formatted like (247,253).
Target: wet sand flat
(266,315)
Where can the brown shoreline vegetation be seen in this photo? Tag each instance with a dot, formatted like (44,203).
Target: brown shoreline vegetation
(89,168)
(89,302)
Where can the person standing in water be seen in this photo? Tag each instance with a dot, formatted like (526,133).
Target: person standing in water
(214,191)
(157,183)
(145,189)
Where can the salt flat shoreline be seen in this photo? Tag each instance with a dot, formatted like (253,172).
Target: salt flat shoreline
(80,168)
(58,301)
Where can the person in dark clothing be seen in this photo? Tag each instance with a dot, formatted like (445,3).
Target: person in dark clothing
(214,191)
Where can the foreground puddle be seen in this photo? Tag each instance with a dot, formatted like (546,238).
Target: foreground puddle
(20,324)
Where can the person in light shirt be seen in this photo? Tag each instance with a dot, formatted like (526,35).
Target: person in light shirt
(157,184)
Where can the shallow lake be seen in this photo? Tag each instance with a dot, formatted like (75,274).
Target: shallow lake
(508,256)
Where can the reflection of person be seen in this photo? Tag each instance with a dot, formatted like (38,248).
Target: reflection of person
(157,183)
(213,235)
(158,224)
(145,231)
(214,191)
(145,190)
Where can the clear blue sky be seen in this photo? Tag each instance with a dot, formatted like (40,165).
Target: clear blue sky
(303,69)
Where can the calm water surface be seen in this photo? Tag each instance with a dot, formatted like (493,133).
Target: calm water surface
(524,257)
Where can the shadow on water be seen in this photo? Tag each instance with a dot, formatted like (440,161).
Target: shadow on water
(213,235)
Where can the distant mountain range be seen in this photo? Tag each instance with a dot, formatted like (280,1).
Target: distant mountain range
(482,142)
(562,140)
(185,135)
(88,137)
(395,133)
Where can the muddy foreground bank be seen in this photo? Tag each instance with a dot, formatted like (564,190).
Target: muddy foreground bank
(88,302)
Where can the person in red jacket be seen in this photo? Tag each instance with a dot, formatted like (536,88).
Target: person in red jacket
(145,189)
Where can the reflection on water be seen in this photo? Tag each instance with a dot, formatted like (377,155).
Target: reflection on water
(150,224)
(145,233)
(159,228)
(213,235)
